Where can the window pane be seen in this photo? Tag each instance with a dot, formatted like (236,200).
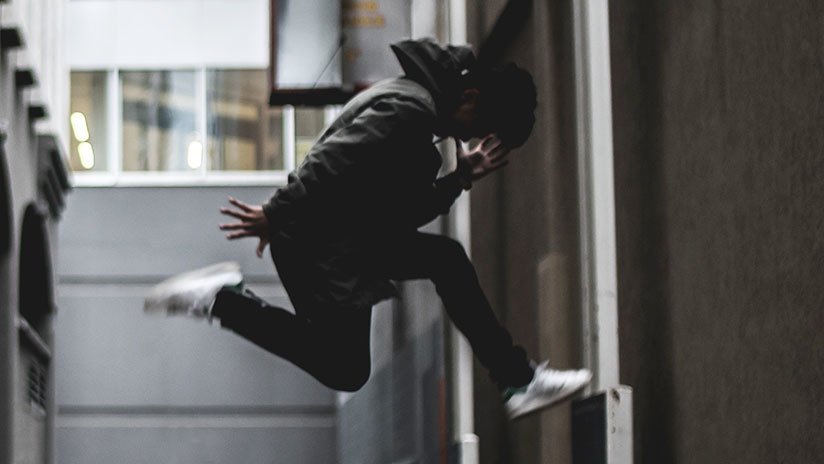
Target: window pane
(89,144)
(159,121)
(309,125)
(244,133)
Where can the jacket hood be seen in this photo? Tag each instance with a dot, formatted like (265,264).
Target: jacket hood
(439,69)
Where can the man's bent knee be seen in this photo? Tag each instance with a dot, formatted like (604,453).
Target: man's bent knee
(347,381)
(451,257)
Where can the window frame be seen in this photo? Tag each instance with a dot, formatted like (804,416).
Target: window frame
(115,176)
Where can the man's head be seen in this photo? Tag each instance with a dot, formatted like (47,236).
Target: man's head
(500,100)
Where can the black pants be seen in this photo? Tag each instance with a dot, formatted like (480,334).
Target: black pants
(333,344)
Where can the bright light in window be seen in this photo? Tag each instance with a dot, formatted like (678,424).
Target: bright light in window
(79,127)
(84,149)
(195,155)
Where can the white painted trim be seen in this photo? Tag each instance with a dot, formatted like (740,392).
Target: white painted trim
(457,22)
(204,421)
(114,119)
(159,66)
(596,191)
(463,388)
(289,154)
(201,119)
(619,425)
(180,179)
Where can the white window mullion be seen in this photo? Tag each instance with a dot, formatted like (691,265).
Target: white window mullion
(201,117)
(330,113)
(114,115)
(289,138)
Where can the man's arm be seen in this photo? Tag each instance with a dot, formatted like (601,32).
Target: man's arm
(487,157)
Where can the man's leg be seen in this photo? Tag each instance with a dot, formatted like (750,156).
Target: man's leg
(444,261)
(333,346)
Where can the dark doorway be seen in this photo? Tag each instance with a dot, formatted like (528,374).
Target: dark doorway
(5,205)
(36,295)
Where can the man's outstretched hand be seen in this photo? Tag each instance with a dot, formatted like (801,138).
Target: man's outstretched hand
(253,223)
(488,156)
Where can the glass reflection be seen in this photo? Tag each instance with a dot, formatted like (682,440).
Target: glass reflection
(88,128)
(159,121)
(244,133)
(309,125)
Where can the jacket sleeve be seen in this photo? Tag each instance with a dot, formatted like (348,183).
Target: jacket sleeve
(376,129)
(438,199)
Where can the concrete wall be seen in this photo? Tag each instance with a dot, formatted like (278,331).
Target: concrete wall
(176,389)
(718,156)
(524,235)
(31,41)
(400,414)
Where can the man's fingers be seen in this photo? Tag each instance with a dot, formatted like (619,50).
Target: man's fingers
(236,226)
(488,141)
(240,234)
(492,168)
(236,214)
(498,154)
(261,247)
(240,204)
(498,161)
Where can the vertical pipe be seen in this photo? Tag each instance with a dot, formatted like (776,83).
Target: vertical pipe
(596,190)
(462,384)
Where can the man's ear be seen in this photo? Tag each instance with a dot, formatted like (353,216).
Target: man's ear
(470,95)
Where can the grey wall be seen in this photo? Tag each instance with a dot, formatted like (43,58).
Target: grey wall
(398,416)
(524,236)
(719,110)
(176,389)
(25,433)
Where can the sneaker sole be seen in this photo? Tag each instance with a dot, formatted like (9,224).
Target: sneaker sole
(161,299)
(532,407)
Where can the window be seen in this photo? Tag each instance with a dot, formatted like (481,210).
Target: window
(309,124)
(90,141)
(159,125)
(186,125)
(244,133)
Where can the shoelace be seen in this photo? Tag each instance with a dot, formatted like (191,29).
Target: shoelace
(509,392)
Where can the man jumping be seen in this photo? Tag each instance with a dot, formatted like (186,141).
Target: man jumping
(346,225)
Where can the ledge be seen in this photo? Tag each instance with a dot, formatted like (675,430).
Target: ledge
(310,97)
(268,179)
(11,37)
(30,338)
(54,181)
(37,111)
(24,78)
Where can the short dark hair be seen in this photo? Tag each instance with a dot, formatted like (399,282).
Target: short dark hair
(507,99)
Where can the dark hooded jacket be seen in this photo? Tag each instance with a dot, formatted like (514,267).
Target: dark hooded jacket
(369,179)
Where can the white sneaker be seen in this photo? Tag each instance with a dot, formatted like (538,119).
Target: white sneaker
(192,293)
(548,388)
